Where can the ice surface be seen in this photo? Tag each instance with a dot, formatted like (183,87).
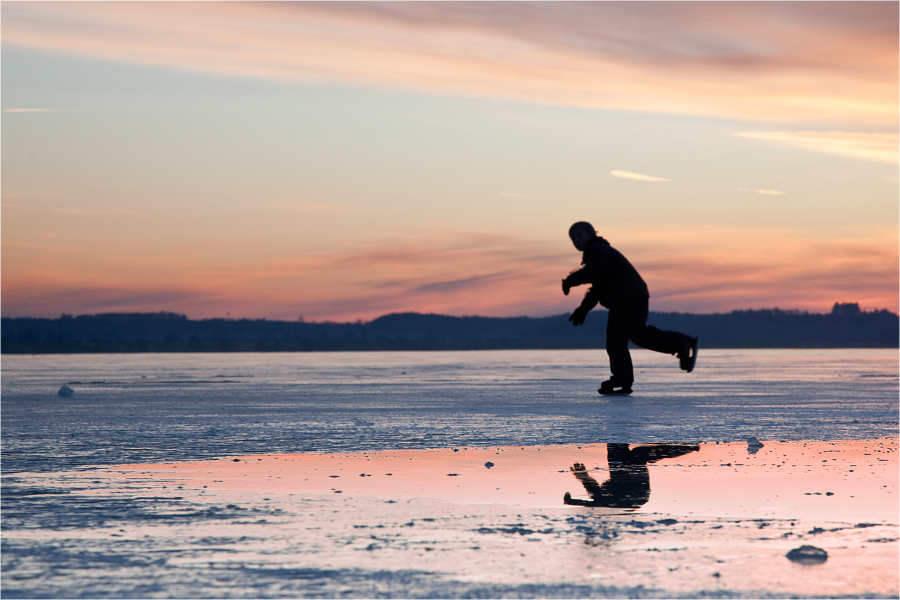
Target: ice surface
(152,407)
(716,521)
(211,475)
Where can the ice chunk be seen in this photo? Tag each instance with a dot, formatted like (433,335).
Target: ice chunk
(65,392)
(753,444)
(808,555)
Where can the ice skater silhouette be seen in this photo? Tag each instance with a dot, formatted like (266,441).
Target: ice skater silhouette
(617,285)
(628,485)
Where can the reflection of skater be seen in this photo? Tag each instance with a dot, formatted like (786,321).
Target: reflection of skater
(628,485)
(617,285)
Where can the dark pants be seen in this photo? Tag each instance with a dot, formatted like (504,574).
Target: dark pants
(628,321)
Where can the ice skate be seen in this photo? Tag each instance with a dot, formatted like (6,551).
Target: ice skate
(613,388)
(688,356)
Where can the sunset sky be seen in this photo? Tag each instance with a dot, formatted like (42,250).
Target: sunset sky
(340,161)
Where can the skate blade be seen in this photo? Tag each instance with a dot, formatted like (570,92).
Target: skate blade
(603,392)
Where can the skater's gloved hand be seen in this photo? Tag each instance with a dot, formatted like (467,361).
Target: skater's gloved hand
(566,286)
(578,315)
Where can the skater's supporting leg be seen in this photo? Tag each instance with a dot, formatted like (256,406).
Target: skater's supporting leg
(618,329)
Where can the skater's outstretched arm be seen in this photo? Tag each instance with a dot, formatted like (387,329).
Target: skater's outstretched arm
(595,263)
(592,272)
(580,314)
(590,484)
(575,278)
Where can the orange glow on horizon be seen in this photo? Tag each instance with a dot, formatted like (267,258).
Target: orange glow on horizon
(701,270)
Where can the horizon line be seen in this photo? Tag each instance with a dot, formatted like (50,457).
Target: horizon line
(360,321)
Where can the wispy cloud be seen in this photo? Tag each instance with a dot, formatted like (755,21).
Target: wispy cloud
(52,298)
(75,110)
(780,61)
(878,147)
(34,110)
(636,176)
(74,210)
(467,283)
(765,192)
(306,207)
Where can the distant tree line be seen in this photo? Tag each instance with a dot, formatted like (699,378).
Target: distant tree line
(846,326)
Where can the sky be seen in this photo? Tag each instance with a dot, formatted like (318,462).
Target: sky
(341,161)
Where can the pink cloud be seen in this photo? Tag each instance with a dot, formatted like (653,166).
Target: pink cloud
(771,61)
(711,270)
(878,147)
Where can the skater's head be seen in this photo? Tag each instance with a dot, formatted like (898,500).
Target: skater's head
(581,234)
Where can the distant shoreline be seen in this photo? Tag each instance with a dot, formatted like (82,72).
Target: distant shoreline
(845,327)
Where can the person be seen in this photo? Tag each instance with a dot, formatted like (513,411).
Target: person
(616,285)
(628,485)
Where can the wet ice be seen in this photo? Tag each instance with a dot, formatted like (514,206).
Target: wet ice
(75,525)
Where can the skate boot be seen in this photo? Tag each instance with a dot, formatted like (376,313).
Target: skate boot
(687,356)
(611,387)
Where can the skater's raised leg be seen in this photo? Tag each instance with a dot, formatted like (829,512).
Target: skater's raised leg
(646,336)
(687,356)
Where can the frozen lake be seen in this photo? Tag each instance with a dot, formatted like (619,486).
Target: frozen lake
(364,474)
(149,407)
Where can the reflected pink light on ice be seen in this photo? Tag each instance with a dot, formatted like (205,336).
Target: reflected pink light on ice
(839,481)
(717,519)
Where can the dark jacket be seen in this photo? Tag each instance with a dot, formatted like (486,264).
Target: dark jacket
(613,280)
